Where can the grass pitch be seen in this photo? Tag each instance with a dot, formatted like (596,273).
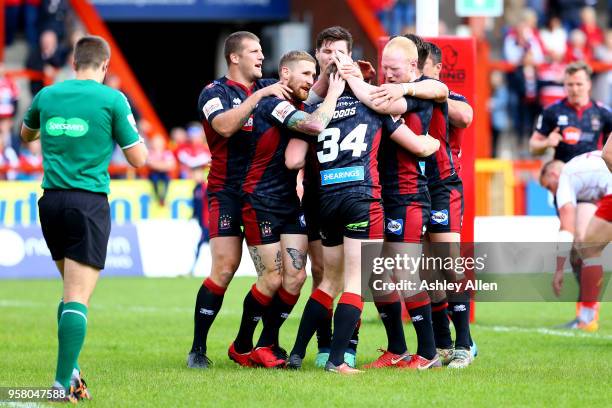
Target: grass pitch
(140,331)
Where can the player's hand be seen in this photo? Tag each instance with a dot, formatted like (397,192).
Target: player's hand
(554,137)
(342,58)
(278,90)
(368,72)
(432,144)
(557,282)
(386,94)
(336,85)
(347,71)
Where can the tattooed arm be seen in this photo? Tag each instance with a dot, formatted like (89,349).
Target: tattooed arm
(314,123)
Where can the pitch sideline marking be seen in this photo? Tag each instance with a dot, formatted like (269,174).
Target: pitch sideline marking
(545,331)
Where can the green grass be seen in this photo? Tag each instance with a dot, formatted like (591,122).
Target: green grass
(140,331)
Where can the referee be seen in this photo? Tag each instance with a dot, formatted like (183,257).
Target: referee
(79,121)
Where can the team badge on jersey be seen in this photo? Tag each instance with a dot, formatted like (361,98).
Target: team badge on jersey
(595,123)
(395,226)
(236,102)
(266,229)
(439,217)
(225,221)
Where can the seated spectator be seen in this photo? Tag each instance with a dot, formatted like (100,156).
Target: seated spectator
(196,153)
(602,86)
(161,163)
(577,48)
(9,96)
(46,58)
(554,37)
(178,140)
(550,80)
(498,108)
(8,161)
(14,10)
(570,11)
(30,161)
(594,34)
(53,16)
(523,38)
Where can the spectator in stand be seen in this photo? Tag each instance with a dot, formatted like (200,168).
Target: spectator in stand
(577,48)
(570,11)
(554,37)
(594,34)
(14,10)
(114,81)
(161,163)
(522,38)
(30,161)
(67,72)
(8,161)
(550,80)
(178,140)
(498,108)
(9,96)
(53,16)
(200,211)
(196,153)
(524,83)
(46,58)
(602,87)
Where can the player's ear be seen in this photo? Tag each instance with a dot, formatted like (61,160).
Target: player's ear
(234,58)
(285,72)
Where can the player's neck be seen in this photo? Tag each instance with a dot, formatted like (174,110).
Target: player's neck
(580,103)
(236,76)
(89,74)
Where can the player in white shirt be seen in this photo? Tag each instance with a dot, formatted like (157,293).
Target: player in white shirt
(579,185)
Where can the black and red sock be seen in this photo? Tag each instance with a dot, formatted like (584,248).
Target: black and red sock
(254,305)
(315,312)
(441,326)
(208,304)
(346,317)
(281,306)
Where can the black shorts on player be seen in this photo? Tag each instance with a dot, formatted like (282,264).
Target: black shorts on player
(265,220)
(354,215)
(76,225)
(446,205)
(225,213)
(310,205)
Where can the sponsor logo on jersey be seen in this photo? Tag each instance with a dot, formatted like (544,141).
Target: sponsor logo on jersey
(282,110)
(395,226)
(595,123)
(225,221)
(571,135)
(73,127)
(342,175)
(212,106)
(266,229)
(439,217)
(344,113)
(358,226)
(563,120)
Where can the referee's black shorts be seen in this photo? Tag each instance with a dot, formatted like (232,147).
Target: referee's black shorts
(76,225)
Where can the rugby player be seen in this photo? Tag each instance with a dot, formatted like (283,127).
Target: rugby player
(350,214)
(226,107)
(274,223)
(585,179)
(572,126)
(78,122)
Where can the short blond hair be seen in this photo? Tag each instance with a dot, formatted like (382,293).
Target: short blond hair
(404,45)
(292,57)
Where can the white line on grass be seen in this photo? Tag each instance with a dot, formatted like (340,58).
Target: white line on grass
(545,331)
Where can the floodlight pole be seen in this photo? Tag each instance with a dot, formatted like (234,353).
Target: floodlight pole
(427,18)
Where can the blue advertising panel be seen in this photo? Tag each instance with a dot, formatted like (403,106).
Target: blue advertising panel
(24,253)
(194,10)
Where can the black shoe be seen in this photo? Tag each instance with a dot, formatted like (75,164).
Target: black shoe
(294,362)
(280,352)
(197,359)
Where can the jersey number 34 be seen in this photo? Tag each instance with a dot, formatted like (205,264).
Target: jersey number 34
(354,141)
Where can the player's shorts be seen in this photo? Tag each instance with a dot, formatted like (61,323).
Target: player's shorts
(266,219)
(310,205)
(406,219)
(604,208)
(225,213)
(446,213)
(352,215)
(76,224)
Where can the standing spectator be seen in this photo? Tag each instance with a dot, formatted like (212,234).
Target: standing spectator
(550,80)
(519,40)
(570,11)
(577,48)
(30,162)
(525,85)
(161,163)
(9,95)
(602,87)
(594,34)
(8,161)
(498,107)
(53,16)
(46,58)
(14,10)
(196,153)
(554,37)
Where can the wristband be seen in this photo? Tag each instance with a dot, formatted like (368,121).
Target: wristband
(405,88)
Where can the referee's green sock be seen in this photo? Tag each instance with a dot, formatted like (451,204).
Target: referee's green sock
(60,309)
(71,335)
